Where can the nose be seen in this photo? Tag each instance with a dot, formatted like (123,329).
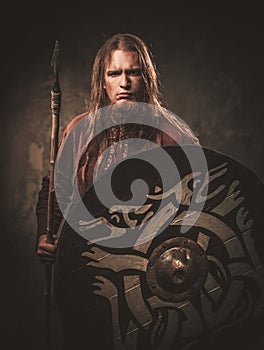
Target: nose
(125,81)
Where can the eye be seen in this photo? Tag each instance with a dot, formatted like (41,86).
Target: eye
(135,72)
(113,73)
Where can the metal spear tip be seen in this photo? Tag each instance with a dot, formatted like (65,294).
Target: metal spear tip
(55,61)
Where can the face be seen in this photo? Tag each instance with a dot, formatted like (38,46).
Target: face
(123,79)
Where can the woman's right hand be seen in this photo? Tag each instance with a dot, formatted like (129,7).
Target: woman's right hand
(46,251)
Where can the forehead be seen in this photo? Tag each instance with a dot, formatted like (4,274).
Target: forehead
(120,59)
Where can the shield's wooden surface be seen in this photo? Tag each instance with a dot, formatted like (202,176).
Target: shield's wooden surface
(135,297)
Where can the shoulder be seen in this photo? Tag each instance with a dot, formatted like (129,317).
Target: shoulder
(177,137)
(176,131)
(73,123)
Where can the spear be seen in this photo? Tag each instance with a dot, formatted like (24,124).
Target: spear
(55,116)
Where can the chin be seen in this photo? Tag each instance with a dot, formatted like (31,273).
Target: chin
(124,101)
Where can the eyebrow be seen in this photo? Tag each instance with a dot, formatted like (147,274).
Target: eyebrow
(130,70)
(114,71)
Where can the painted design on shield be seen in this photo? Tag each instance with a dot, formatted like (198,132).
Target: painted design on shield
(177,287)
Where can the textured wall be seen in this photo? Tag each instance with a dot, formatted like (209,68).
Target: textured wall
(211,65)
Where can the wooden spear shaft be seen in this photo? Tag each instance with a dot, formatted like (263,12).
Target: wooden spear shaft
(55,117)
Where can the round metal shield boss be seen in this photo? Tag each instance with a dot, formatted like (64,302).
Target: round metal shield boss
(177,269)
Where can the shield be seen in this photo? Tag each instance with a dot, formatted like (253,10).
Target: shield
(182,269)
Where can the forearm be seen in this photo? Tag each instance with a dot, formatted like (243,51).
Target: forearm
(42,210)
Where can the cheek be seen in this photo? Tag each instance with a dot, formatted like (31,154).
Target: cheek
(108,87)
(111,86)
(140,82)
(139,86)
(110,90)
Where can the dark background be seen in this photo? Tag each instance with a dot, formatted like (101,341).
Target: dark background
(210,58)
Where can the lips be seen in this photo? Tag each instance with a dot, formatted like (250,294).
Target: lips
(123,95)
